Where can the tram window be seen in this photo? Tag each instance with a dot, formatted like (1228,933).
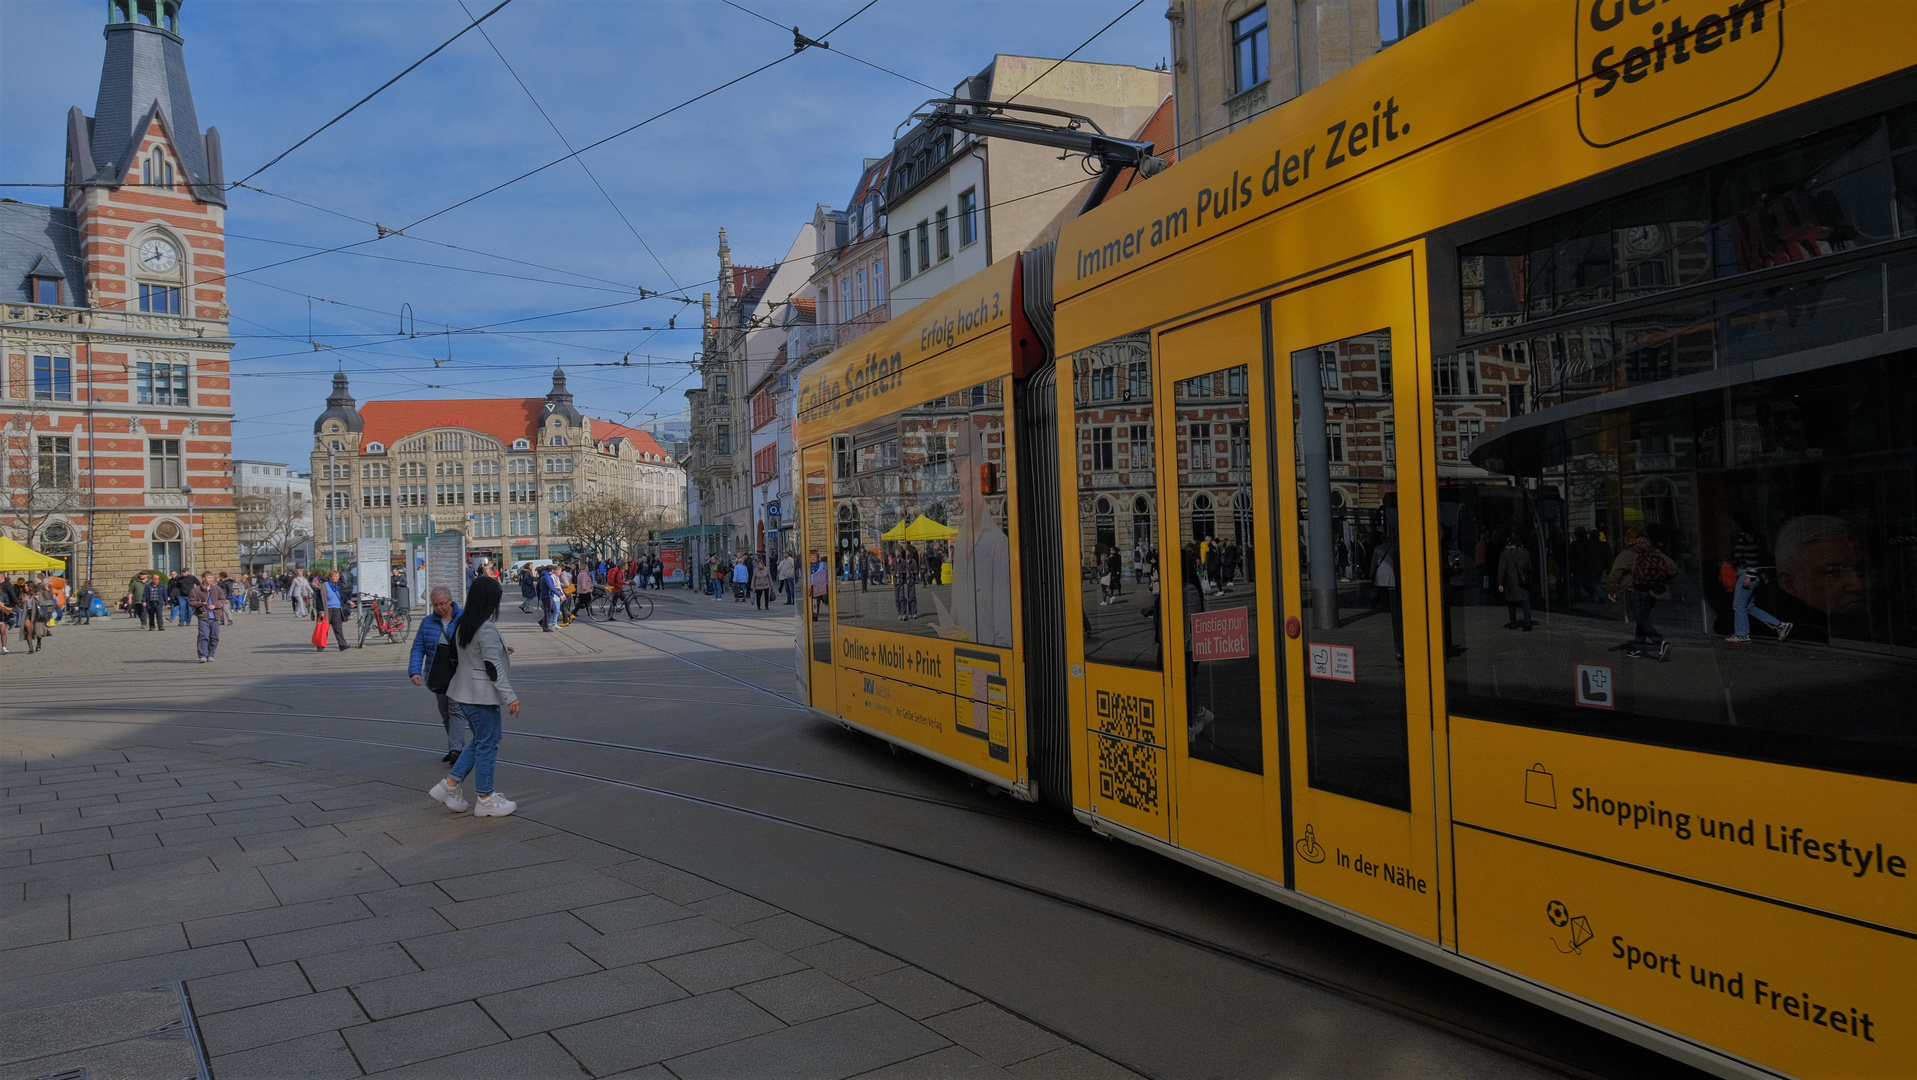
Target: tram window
(1835,191)
(818,538)
(1665,548)
(1118,576)
(1355,721)
(924,545)
(1217,589)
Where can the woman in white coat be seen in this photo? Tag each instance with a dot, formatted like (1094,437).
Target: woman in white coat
(480,689)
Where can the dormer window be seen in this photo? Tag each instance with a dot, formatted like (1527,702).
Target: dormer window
(46,290)
(522,444)
(376,448)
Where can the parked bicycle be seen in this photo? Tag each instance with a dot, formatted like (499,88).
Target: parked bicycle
(379,615)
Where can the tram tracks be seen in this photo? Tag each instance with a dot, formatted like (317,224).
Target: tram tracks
(1361,995)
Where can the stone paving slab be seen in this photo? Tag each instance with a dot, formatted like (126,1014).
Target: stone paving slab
(327,928)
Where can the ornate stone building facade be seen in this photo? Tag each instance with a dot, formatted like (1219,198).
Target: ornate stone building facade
(116,400)
(501,471)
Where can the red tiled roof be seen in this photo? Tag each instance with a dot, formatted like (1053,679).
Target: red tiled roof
(505,419)
(750,281)
(641,440)
(806,306)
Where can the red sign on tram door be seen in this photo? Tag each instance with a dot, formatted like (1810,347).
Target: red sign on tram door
(1221,635)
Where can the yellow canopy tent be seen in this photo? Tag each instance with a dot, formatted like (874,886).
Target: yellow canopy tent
(896,532)
(926,529)
(15,557)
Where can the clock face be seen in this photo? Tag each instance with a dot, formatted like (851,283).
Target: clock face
(158,255)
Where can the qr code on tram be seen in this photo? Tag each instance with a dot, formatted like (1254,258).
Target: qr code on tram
(1128,716)
(1128,773)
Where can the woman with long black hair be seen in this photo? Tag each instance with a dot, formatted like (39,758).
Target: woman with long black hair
(480,688)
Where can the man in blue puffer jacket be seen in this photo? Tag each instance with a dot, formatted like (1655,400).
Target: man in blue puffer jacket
(432,630)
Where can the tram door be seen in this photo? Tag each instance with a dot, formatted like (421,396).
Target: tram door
(1344,367)
(815,641)
(1220,634)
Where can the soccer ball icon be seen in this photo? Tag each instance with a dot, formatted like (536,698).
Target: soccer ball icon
(1557,913)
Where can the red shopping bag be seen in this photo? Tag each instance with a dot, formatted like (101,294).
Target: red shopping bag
(319,634)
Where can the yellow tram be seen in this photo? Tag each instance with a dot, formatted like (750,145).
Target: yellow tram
(1478,509)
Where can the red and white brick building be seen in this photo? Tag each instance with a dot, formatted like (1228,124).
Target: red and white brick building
(117,400)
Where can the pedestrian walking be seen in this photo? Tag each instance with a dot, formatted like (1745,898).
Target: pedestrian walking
(741,578)
(302,591)
(761,585)
(434,630)
(210,601)
(34,602)
(1640,575)
(549,598)
(9,610)
(479,690)
(787,569)
(1515,584)
(821,580)
(228,586)
(334,596)
(83,602)
(153,601)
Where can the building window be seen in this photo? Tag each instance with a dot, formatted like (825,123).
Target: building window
(338,472)
(1240,435)
(968,217)
(376,527)
(1101,449)
(519,466)
(1138,384)
(1251,50)
(412,495)
(905,256)
(339,500)
(46,290)
(163,464)
(945,235)
(449,495)
(1515,393)
(52,378)
(765,464)
(559,493)
(375,497)
(521,491)
(56,462)
(1384,370)
(487,467)
(721,388)
(338,530)
(878,282)
(1198,438)
(449,468)
(523,522)
(522,444)
(559,465)
(160,299)
(486,494)
(861,297)
(375,471)
(723,439)
(412,470)
(1335,441)
(1141,446)
(1398,19)
(553,519)
(925,246)
(161,384)
(1104,384)
(1328,369)
(486,524)
(415,524)
(449,441)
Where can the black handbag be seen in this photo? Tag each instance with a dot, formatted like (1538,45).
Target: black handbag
(445,664)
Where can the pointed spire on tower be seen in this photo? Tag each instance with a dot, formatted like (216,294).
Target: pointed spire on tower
(559,399)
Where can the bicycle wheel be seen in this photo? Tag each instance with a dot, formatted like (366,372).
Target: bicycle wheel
(600,607)
(638,606)
(365,625)
(398,621)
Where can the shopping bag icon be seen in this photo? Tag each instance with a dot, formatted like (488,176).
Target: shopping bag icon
(1540,788)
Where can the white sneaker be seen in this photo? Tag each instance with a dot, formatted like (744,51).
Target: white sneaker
(449,794)
(494,805)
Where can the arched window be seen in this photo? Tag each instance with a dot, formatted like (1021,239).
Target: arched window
(522,444)
(1241,518)
(376,448)
(1105,526)
(1203,524)
(1142,522)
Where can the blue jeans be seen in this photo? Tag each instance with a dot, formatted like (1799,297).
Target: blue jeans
(482,753)
(180,614)
(1742,609)
(457,734)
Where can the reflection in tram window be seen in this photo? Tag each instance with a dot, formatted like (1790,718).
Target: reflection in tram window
(818,500)
(923,520)
(1347,490)
(1714,507)
(1118,556)
(1217,591)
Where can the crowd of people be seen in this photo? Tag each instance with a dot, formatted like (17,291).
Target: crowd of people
(751,574)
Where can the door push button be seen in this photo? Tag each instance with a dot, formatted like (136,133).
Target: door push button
(1292,629)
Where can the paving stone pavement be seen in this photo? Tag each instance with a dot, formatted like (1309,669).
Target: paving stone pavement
(329,927)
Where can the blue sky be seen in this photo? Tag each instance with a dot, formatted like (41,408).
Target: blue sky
(754,158)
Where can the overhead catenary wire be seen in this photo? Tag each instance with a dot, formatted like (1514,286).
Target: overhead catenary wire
(376,92)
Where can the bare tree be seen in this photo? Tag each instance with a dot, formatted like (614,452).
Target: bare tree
(604,524)
(42,478)
(274,521)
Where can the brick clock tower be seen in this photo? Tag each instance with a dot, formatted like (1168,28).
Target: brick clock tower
(117,402)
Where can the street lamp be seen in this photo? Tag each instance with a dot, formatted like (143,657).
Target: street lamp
(187,490)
